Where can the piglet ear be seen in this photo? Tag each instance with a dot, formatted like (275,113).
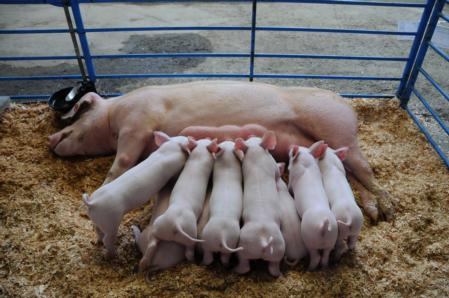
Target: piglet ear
(240,148)
(240,145)
(213,148)
(293,153)
(281,167)
(191,144)
(268,140)
(318,149)
(342,153)
(160,138)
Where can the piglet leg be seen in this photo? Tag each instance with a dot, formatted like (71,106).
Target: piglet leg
(273,268)
(314,259)
(243,266)
(109,242)
(190,253)
(352,240)
(208,258)
(225,258)
(100,236)
(340,249)
(325,257)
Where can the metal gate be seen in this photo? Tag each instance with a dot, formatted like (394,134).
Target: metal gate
(432,13)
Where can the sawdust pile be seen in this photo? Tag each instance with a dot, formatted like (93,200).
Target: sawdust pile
(47,249)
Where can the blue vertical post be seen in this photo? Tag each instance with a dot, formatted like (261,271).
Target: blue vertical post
(414,49)
(83,39)
(418,52)
(253,40)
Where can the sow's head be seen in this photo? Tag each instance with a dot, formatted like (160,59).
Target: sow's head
(88,134)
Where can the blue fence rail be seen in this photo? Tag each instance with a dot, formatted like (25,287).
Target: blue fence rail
(431,14)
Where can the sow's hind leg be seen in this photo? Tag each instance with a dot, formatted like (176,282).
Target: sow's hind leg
(363,179)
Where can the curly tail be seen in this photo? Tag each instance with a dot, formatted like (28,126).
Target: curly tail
(227,248)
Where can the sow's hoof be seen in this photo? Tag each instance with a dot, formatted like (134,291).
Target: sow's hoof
(386,208)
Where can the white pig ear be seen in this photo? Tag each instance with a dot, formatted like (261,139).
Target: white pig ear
(219,153)
(318,149)
(342,153)
(240,145)
(268,140)
(240,148)
(293,153)
(281,167)
(160,138)
(213,148)
(87,100)
(191,144)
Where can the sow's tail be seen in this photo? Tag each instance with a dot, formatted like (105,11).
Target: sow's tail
(226,247)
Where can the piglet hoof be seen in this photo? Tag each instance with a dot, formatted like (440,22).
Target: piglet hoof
(273,268)
(225,259)
(242,267)
(190,254)
(110,255)
(313,265)
(208,258)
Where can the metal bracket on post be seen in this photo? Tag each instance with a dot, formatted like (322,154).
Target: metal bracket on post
(418,52)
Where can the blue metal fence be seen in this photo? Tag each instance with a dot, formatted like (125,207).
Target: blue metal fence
(431,13)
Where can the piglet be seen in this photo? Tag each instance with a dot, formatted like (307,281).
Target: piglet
(318,224)
(168,253)
(295,249)
(348,214)
(202,220)
(260,236)
(179,222)
(221,233)
(108,204)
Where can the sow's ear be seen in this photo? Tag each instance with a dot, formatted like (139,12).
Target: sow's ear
(342,153)
(268,140)
(293,153)
(87,100)
(240,148)
(318,149)
(160,138)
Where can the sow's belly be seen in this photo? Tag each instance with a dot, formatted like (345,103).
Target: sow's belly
(220,106)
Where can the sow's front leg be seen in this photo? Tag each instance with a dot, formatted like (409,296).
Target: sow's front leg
(131,145)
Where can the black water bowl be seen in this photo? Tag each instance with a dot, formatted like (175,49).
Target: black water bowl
(64,99)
